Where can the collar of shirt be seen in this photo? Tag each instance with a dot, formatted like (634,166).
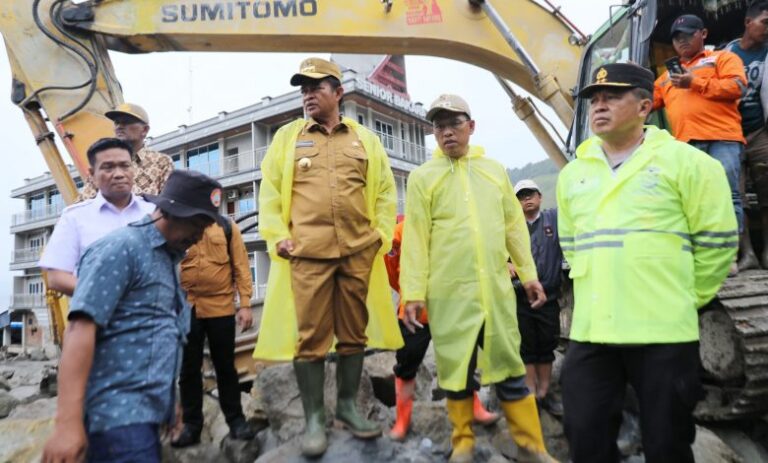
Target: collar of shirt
(102,202)
(313,125)
(696,57)
(139,156)
(538,216)
(155,238)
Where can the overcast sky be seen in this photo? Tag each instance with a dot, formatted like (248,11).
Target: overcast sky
(181,88)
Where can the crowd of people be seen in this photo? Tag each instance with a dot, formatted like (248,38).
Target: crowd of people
(153,268)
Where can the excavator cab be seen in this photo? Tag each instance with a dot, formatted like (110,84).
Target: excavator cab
(734,326)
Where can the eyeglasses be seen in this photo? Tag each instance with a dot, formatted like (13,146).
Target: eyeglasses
(523,195)
(452,124)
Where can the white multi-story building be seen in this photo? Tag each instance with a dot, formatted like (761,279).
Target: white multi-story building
(230,148)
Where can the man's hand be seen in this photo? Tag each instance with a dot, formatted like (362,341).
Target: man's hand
(511,267)
(67,444)
(412,312)
(284,248)
(535,292)
(244,318)
(681,80)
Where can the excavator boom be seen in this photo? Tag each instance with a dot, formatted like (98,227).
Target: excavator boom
(60,63)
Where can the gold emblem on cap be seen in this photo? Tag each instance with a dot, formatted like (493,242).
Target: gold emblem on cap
(305,163)
(308,68)
(602,76)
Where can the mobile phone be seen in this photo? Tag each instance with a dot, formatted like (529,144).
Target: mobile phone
(673,65)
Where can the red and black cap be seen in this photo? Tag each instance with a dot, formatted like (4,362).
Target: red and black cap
(687,23)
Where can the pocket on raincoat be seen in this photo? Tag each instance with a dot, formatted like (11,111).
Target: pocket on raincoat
(579,266)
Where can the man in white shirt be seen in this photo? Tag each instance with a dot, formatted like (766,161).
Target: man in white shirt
(83,223)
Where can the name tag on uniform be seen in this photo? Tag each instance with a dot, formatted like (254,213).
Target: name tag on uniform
(305,144)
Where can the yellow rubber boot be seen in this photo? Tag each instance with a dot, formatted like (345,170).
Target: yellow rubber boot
(524,426)
(462,439)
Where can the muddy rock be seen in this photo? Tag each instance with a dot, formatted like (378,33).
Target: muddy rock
(282,403)
(709,448)
(22,440)
(7,403)
(39,409)
(238,451)
(430,420)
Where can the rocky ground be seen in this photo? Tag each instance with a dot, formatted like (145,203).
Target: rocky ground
(27,406)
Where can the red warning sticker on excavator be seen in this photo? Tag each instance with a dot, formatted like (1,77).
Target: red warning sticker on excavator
(423,12)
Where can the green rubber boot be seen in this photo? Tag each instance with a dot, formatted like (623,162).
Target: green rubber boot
(310,376)
(348,372)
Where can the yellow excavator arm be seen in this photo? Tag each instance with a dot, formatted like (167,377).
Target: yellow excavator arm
(63,79)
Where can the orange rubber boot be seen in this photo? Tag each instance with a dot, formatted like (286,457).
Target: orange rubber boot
(404,389)
(481,415)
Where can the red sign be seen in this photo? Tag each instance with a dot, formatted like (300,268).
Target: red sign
(423,12)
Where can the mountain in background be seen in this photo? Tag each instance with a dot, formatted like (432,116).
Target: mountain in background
(544,173)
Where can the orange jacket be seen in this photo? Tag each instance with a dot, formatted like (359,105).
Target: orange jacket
(392,262)
(709,109)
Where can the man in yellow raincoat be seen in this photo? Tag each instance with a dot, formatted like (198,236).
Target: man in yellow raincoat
(464,222)
(327,211)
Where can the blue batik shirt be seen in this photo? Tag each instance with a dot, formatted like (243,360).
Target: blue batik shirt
(128,285)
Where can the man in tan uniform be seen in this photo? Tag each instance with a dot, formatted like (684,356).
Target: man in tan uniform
(212,272)
(341,210)
(152,168)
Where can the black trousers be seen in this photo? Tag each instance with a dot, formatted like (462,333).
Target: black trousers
(666,380)
(410,356)
(220,332)
(539,331)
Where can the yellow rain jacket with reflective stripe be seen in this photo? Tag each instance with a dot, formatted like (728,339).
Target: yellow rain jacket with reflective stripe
(278,331)
(647,245)
(463,222)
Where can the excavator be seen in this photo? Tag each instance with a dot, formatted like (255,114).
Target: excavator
(63,82)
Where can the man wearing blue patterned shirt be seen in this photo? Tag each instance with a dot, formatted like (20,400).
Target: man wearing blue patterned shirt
(127,322)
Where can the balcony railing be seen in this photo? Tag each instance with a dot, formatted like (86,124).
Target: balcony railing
(244,161)
(35,215)
(27,301)
(24,255)
(403,149)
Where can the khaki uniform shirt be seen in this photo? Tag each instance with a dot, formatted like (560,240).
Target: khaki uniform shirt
(328,210)
(210,273)
(152,170)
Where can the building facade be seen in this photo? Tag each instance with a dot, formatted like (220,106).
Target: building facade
(230,148)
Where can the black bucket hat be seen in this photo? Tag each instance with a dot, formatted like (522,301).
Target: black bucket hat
(188,193)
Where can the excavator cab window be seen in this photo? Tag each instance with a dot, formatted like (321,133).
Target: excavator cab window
(610,44)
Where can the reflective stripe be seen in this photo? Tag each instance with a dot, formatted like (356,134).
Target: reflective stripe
(687,248)
(625,231)
(599,244)
(741,86)
(727,244)
(566,239)
(725,234)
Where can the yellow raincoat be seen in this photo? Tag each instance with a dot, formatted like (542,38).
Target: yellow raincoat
(464,221)
(278,333)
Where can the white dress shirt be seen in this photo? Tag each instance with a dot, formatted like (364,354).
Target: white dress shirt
(83,223)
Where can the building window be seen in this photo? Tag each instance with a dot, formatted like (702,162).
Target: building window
(35,287)
(246,203)
(361,119)
(177,164)
(55,201)
(386,133)
(36,205)
(36,241)
(204,159)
